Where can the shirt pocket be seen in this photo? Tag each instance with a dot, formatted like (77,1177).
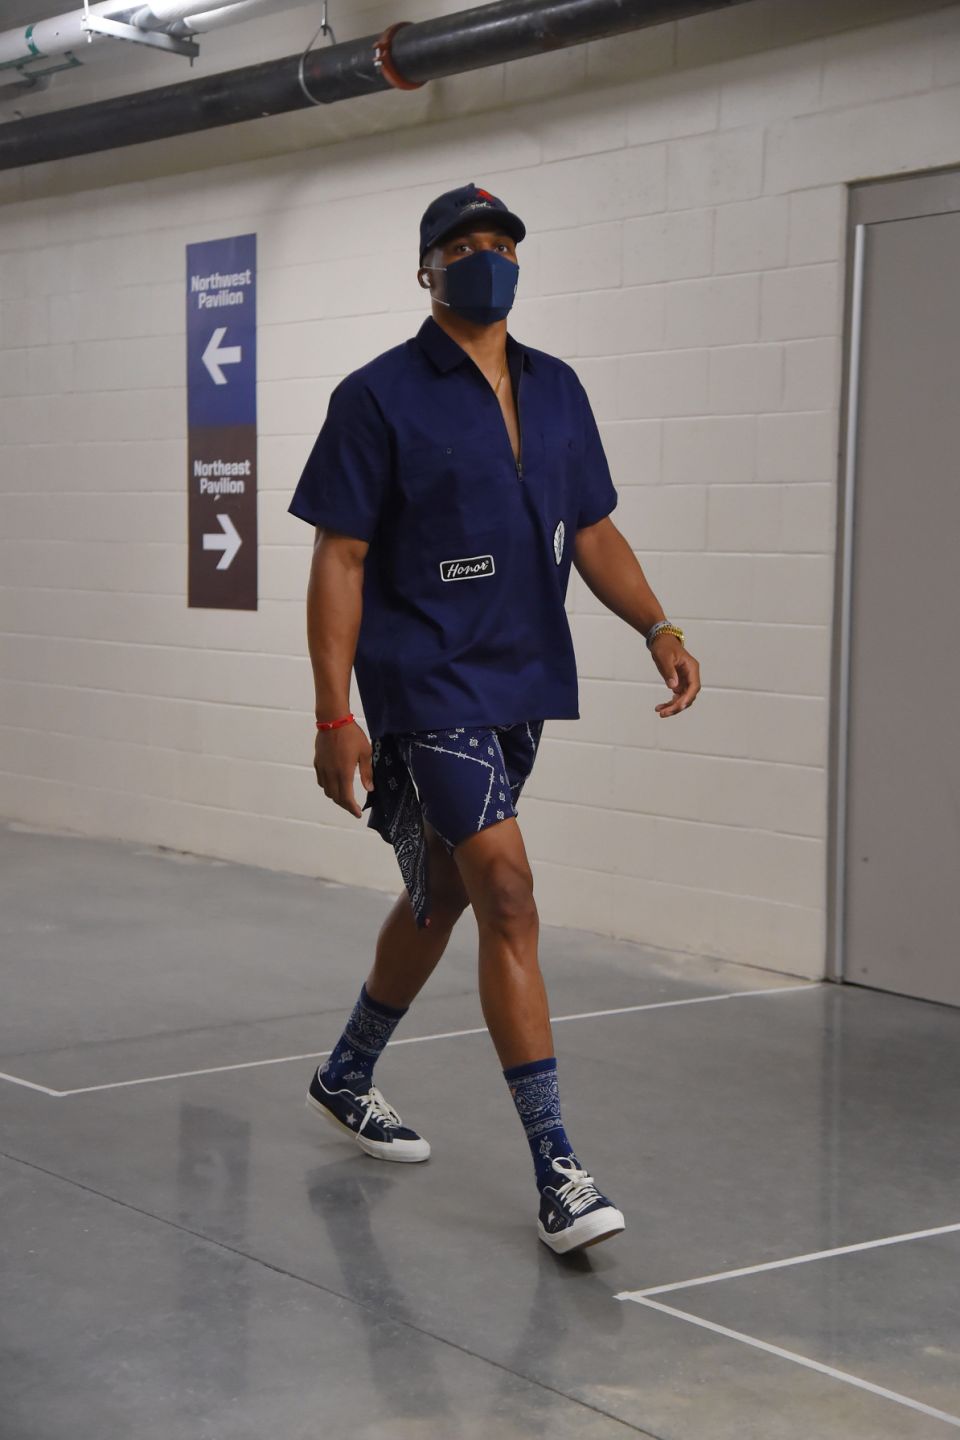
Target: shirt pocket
(562,465)
(451,488)
(454,605)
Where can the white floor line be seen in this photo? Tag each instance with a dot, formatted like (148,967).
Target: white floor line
(422,1039)
(693,1000)
(784,1264)
(803,1360)
(29,1085)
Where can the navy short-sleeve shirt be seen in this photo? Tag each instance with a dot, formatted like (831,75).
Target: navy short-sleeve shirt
(470,551)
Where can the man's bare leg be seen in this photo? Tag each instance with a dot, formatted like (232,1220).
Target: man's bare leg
(342,1088)
(406,956)
(497,878)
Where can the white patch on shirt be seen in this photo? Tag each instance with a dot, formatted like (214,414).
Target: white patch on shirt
(558,535)
(474,567)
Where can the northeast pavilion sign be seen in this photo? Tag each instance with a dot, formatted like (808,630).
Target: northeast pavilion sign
(222,423)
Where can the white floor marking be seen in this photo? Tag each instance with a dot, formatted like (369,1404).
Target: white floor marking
(784,1264)
(693,1000)
(420,1039)
(253,1064)
(803,1360)
(29,1085)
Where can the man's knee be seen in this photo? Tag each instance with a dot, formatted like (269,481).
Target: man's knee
(505,899)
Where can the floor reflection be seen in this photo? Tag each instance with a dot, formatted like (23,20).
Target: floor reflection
(213,1163)
(345,1197)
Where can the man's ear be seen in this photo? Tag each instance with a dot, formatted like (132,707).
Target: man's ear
(424,279)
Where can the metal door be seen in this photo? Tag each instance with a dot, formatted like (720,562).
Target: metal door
(898,886)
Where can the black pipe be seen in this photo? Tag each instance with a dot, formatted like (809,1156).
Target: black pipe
(467,40)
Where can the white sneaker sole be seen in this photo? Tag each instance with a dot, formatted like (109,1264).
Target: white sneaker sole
(403,1152)
(601,1225)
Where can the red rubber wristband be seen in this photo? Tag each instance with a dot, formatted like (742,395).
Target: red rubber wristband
(334,724)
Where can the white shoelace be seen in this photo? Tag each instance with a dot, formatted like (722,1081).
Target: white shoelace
(376,1108)
(579,1191)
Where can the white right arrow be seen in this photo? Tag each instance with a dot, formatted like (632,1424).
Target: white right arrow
(216,355)
(229,542)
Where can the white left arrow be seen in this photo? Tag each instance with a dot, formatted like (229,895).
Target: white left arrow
(216,355)
(229,542)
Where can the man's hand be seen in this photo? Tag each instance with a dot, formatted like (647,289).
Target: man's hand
(679,669)
(337,755)
(611,570)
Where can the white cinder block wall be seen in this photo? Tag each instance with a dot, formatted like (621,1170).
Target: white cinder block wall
(684,190)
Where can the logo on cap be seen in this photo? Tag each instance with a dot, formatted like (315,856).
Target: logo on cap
(486,194)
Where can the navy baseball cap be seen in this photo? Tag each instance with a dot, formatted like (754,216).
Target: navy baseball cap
(467,202)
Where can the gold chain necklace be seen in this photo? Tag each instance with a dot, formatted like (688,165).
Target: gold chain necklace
(500,376)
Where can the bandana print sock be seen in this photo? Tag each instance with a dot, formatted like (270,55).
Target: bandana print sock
(350,1066)
(536,1095)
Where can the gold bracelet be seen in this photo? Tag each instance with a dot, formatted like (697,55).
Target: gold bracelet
(667,630)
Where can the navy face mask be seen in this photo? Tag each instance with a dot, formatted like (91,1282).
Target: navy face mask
(481,287)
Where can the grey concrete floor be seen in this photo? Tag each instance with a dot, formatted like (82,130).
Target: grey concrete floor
(196,1256)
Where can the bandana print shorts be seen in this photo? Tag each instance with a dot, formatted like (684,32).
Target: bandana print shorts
(460,779)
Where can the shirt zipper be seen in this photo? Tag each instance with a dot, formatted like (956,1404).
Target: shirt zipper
(517,459)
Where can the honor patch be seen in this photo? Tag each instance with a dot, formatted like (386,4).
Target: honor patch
(475,567)
(558,535)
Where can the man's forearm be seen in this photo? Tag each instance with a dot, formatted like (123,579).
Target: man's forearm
(610,569)
(334,611)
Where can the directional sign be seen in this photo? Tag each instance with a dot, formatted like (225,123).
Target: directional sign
(217,355)
(222,423)
(229,542)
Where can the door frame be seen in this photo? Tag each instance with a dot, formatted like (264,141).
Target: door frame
(870,202)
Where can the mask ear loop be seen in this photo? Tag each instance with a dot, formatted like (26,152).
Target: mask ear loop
(432,296)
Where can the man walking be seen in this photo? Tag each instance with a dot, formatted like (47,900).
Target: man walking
(455,480)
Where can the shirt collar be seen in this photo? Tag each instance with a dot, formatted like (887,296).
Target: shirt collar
(446,354)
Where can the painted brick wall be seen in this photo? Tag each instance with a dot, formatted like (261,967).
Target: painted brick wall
(684,191)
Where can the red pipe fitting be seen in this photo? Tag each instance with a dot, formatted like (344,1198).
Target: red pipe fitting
(383,60)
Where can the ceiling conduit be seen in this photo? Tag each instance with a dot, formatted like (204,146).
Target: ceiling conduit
(65,34)
(30,56)
(404,57)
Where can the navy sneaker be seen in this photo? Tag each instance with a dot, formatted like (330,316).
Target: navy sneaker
(573,1213)
(373,1124)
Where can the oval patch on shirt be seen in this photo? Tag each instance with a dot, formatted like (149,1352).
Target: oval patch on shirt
(474,567)
(558,535)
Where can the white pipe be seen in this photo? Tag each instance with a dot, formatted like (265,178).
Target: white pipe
(48,38)
(54,36)
(159,14)
(212,19)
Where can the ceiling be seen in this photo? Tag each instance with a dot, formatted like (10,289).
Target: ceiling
(22,12)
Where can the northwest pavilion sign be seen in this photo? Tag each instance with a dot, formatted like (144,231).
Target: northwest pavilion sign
(222,423)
